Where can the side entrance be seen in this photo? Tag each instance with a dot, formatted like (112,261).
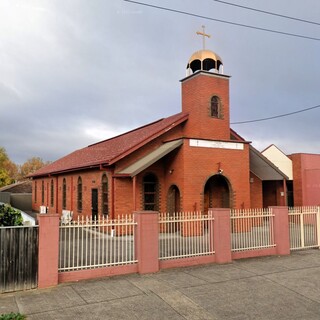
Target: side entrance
(217,193)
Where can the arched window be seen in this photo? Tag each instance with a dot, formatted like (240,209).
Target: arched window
(51,193)
(215,107)
(42,192)
(35,191)
(79,193)
(64,194)
(150,192)
(105,195)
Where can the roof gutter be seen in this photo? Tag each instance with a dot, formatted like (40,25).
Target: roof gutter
(66,171)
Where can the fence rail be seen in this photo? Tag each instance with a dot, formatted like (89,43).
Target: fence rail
(88,244)
(304,227)
(251,229)
(184,235)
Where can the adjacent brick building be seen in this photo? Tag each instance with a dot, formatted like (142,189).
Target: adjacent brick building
(189,161)
(303,171)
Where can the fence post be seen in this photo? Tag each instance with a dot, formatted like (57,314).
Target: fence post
(222,235)
(281,230)
(48,250)
(318,226)
(147,241)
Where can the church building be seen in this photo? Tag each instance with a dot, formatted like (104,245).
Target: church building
(190,161)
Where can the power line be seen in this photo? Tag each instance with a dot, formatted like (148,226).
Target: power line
(275,117)
(268,12)
(222,21)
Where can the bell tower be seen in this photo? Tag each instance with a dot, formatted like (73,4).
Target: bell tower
(205,96)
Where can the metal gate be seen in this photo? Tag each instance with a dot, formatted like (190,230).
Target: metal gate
(304,227)
(18,258)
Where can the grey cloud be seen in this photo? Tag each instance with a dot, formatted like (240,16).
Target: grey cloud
(73,71)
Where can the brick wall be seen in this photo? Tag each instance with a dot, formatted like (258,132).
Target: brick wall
(273,194)
(306,179)
(256,191)
(90,180)
(297,179)
(123,196)
(197,91)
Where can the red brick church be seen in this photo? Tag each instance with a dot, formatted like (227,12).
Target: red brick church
(189,161)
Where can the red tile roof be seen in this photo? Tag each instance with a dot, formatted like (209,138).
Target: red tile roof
(109,151)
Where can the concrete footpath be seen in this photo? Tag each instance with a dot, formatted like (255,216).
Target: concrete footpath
(286,287)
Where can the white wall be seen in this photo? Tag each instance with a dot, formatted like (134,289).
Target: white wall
(279,159)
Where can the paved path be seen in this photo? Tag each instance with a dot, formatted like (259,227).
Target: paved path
(261,288)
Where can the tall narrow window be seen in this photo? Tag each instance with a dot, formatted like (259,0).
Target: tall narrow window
(215,107)
(35,191)
(105,195)
(42,192)
(64,194)
(150,192)
(51,193)
(79,202)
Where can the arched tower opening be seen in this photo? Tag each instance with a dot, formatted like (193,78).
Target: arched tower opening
(204,60)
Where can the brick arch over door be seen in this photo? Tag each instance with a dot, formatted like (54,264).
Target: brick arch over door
(173,200)
(217,193)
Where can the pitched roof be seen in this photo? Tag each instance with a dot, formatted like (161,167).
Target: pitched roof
(236,136)
(111,150)
(18,187)
(149,159)
(263,168)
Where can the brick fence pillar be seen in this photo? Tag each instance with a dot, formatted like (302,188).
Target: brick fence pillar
(147,241)
(222,235)
(281,230)
(48,250)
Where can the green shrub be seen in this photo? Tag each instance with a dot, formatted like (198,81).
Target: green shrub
(10,216)
(12,316)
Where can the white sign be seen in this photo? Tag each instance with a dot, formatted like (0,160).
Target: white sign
(216,144)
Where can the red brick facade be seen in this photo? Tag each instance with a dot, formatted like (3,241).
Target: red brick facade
(306,179)
(207,170)
(197,91)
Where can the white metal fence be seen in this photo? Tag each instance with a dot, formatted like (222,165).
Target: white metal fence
(251,229)
(185,234)
(304,227)
(88,244)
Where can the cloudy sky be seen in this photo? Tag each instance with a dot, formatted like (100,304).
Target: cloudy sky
(73,72)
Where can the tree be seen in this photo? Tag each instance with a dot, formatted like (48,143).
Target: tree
(8,169)
(30,166)
(10,172)
(4,178)
(10,216)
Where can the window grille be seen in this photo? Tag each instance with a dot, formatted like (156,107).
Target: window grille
(150,192)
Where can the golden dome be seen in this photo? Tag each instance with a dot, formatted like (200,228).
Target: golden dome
(204,60)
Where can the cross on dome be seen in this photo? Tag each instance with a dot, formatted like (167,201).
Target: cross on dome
(204,60)
(204,35)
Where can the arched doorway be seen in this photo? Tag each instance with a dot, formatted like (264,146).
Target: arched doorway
(173,200)
(216,193)
(173,205)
